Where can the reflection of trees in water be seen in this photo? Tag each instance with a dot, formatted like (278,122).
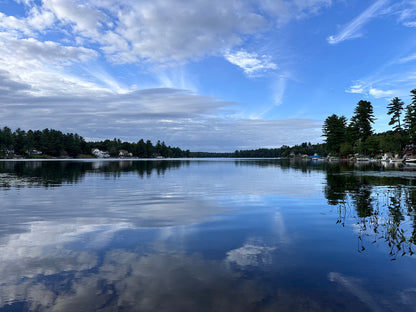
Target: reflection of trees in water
(362,201)
(55,173)
(383,207)
(307,165)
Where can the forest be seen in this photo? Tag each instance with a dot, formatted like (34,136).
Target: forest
(53,143)
(306,148)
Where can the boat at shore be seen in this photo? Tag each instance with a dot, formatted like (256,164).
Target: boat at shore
(410,161)
(362,159)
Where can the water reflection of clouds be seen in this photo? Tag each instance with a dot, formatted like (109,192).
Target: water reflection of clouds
(126,281)
(251,254)
(43,268)
(165,282)
(65,261)
(142,211)
(352,286)
(403,300)
(43,249)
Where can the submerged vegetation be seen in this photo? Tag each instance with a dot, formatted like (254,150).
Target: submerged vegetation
(381,205)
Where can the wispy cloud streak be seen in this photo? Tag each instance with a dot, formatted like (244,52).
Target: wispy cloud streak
(352,30)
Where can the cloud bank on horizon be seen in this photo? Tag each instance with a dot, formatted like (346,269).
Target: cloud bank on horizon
(204,75)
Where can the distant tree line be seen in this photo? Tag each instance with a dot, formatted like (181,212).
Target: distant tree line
(48,142)
(345,137)
(140,149)
(54,143)
(283,151)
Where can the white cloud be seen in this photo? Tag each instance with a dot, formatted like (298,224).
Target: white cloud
(11,23)
(14,49)
(84,17)
(366,89)
(380,93)
(158,31)
(39,19)
(46,82)
(42,65)
(352,30)
(178,118)
(251,63)
(356,89)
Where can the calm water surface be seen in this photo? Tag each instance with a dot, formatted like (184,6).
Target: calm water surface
(206,235)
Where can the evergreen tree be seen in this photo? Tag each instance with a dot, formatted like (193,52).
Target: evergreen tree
(19,141)
(6,138)
(334,129)
(410,117)
(362,119)
(395,109)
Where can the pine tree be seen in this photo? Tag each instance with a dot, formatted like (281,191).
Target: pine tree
(410,117)
(334,129)
(395,108)
(362,120)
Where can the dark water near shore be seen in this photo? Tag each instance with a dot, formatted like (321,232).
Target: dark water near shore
(207,235)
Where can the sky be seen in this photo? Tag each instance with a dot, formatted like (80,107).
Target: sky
(204,75)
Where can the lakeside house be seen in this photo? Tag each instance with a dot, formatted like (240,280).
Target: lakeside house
(124,153)
(410,151)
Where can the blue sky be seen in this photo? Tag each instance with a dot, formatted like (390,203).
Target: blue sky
(202,75)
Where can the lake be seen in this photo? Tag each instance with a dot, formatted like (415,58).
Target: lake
(207,235)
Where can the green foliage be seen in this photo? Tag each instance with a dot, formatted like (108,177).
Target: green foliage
(371,146)
(410,118)
(358,136)
(335,131)
(395,108)
(48,142)
(141,149)
(54,143)
(362,120)
(346,149)
(284,151)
